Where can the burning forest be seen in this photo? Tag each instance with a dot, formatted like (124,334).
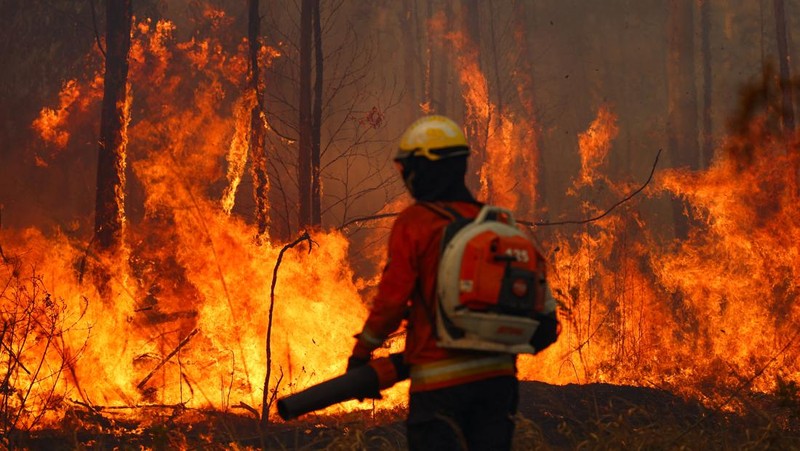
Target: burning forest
(195,199)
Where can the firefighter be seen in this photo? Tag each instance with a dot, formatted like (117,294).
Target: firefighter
(458,399)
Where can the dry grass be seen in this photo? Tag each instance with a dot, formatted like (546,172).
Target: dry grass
(630,428)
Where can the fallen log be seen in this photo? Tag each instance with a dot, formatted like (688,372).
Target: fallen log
(163,361)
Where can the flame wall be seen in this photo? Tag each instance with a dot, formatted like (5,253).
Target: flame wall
(187,319)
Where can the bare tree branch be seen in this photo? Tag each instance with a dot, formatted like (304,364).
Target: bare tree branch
(266,402)
(96,33)
(365,219)
(11,351)
(609,210)
(531,223)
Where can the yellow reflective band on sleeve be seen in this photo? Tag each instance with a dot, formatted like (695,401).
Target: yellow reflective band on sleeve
(369,340)
(460,369)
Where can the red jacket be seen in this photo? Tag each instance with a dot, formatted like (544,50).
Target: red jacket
(408,287)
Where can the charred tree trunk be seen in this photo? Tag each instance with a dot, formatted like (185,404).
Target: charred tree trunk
(316,133)
(442,87)
(429,60)
(470,27)
(785,80)
(305,117)
(494,124)
(435,60)
(682,94)
(523,78)
(498,82)
(109,222)
(257,143)
(707,147)
(411,59)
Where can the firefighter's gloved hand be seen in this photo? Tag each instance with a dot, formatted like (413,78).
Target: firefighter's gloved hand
(547,332)
(359,357)
(356,362)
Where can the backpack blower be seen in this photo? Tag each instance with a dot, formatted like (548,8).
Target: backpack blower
(365,382)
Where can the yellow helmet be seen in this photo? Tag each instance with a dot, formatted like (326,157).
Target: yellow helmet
(432,137)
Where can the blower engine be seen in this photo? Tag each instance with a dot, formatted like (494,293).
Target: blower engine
(364,382)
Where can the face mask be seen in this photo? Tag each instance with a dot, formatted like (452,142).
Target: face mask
(435,180)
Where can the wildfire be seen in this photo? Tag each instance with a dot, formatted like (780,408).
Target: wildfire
(738,272)
(595,144)
(713,311)
(188,315)
(237,153)
(186,321)
(500,137)
(51,120)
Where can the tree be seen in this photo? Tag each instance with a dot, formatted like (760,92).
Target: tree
(413,68)
(682,97)
(477,134)
(257,142)
(110,200)
(523,78)
(326,118)
(787,108)
(305,119)
(705,54)
(316,122)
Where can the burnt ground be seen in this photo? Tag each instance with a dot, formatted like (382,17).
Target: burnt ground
(592,416)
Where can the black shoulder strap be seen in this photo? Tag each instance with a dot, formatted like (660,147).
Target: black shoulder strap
(442,210)
(457,222)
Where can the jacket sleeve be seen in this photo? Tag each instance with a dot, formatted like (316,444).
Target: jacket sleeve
(395,288)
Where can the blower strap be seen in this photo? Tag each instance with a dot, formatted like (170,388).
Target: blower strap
(457,222)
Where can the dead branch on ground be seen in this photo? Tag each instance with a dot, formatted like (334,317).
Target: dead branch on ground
(98,408)
(248,408)
(166,359)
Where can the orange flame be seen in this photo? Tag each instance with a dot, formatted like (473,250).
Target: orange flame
(237,153)
(188,317)
(496,133)
(594,145)
(713,311)
(50,120)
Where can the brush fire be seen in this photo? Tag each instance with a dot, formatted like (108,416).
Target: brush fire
(239,273)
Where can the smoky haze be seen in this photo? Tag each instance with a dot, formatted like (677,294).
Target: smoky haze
(385,56)
(566,105)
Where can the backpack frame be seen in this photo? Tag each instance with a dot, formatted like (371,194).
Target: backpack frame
(490,283)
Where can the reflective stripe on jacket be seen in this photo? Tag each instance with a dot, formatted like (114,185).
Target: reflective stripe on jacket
(460,370)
